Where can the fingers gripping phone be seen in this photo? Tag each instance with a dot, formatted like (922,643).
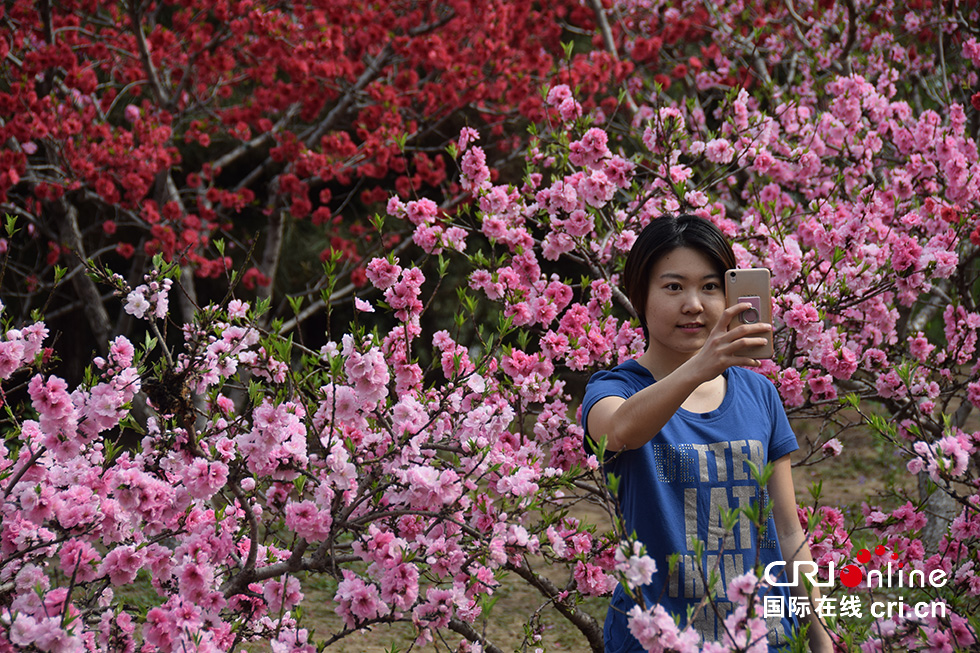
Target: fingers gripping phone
(751,286)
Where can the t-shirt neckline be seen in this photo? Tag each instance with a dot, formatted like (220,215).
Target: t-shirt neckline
(711,414)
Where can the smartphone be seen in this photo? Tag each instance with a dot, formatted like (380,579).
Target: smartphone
(751,286)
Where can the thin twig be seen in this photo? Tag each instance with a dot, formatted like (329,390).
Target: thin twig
(151,71)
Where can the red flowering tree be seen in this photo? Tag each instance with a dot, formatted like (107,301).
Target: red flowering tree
(428,446)
(137,128)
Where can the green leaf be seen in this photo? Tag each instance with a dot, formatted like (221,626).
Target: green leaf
(262,306)
(612,482)
(762,475)
(816,489)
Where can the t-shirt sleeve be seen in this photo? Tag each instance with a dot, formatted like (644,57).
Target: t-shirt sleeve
(602,384)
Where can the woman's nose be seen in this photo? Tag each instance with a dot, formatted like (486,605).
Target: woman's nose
(693,304)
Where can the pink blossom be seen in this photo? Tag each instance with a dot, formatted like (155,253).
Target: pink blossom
(400,586)
(590,149)
(383,273)
(905,254)
(77,506)
(800,315)
(282,595)
(592,580)
(579,224)
(638,569)
(624,240)
(791,387)
(743,587)
(422,212)
(746,633)
(11,357)
(428,488)
(656,631)
(832,447)
(195,580)
(841,362)
(719,150)
(204,479)
(466,136)
(973,393)
(786,261)
(521,483)
(822,387)
(289,640)
(476,175)
(363,306)
(558,94)
(121,564)
(80,560)
(596,189)
(237,309)
(570,110)
(889,384)
(358,601)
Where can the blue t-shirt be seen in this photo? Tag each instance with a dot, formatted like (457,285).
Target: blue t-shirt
(676,487)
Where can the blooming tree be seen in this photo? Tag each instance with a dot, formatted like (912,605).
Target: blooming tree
(131,129)
(417,454)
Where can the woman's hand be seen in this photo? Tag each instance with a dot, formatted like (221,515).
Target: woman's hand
(725,348)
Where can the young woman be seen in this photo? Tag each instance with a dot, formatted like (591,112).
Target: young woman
(682,423)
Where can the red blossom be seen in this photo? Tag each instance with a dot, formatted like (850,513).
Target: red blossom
(253,277)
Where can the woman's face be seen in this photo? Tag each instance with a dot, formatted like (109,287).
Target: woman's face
(685,300)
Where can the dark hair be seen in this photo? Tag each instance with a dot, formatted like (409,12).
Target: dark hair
(662,236)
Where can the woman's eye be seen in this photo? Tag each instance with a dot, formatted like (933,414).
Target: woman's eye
(711,286)
(673,287)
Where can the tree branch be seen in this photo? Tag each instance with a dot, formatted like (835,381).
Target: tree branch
(310,138)
(66,216)
(851,34)
(239,581)
(585,622)
(273,250)
(188,298)
(469,632)
(257,142)
(151,72)
(610,43)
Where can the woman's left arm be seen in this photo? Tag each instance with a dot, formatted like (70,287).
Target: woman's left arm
(794,546)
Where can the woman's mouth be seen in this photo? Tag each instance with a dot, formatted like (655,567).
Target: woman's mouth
(694,326)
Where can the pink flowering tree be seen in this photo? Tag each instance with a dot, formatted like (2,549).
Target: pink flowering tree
(417,454)
(416,489)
